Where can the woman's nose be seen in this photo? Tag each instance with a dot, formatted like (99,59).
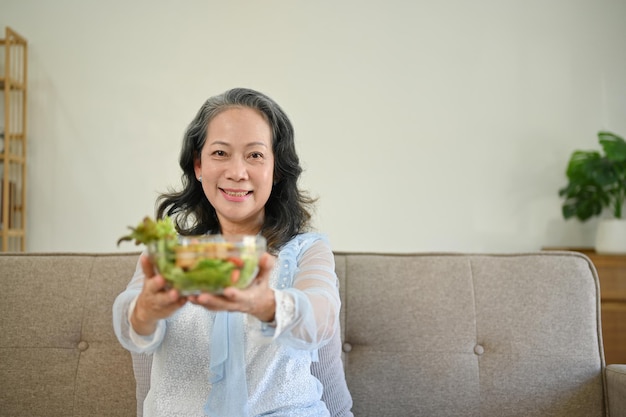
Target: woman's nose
(237,170)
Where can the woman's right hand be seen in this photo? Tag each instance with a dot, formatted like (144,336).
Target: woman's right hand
(155,302)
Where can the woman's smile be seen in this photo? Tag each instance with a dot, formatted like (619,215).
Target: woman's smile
(235,195)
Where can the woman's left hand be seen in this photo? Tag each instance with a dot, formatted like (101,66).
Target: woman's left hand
(257,299)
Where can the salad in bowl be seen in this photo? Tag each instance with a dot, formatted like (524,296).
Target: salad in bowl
(196,264)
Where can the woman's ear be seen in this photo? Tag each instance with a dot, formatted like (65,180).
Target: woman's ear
(197,165)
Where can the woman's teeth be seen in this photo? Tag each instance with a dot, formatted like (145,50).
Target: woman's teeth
(236,193)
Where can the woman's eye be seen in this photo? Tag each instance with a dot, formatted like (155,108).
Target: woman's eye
(256,155)
(219,153)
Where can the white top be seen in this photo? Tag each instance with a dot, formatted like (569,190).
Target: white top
(277,360)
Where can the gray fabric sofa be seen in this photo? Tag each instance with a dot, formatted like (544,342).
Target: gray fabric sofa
(424,335)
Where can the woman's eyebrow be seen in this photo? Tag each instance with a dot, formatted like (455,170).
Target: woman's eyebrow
(222,143)
(257,144)
(219,142)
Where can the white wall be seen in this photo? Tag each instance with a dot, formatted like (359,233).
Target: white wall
(422,125)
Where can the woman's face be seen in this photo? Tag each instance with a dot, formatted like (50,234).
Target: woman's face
(237,167)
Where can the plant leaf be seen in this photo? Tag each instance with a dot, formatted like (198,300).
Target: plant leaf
(614,146)
(596,181)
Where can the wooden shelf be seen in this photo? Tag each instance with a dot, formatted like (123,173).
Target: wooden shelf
(13,87)
(612,275)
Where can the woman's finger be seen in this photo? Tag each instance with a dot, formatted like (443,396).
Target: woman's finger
(147,267)
(266,263)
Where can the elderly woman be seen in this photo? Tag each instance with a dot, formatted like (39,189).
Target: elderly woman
(246,352)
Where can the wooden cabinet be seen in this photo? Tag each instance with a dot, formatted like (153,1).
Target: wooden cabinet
(13,78)
(612,274)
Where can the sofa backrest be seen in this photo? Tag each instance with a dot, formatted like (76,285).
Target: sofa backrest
(58,353)
(472,335)
(424,335)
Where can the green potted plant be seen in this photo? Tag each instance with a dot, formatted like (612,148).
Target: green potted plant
(597,188)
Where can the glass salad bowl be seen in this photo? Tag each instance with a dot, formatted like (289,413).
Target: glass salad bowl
(210,263)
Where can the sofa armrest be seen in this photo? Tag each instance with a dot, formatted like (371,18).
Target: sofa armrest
(616,387)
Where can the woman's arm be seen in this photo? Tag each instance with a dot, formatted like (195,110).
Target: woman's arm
(307,315)
(137,328)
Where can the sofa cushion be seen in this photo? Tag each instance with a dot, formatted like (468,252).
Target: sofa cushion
(58,353)
(473,335)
